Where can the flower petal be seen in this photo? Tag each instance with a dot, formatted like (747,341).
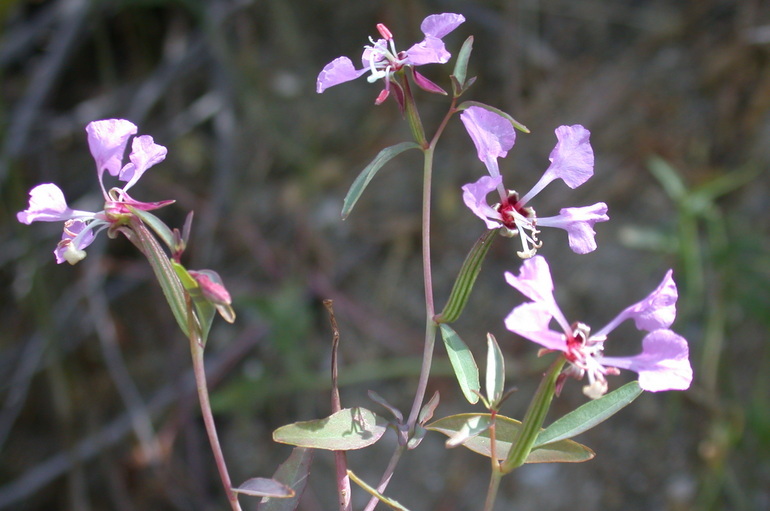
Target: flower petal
(534,281)
(46,204)
(73,242)
(337,71)
(657,310)
(579,223)
(663,363)
(475,197)
(492,134)
(107,140)
(439,25)
(144,154)
(530,320)
(572,160)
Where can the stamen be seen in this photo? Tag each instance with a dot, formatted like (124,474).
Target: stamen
(384,32)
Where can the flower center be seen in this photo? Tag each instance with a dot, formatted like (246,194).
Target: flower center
(582,353)
(382,56)
(522,221)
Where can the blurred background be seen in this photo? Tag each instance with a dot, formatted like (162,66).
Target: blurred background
(97,408)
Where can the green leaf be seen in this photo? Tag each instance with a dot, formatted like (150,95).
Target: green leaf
(516,124)
(506,430)
(461,67)
(589,415)
(293,473)
(466,278)
(473,426)
(156,224)
(464,365)
(204,309)
(366,175)
(495,371)
(263,487)
(668,177)
(161,266)
(350,428)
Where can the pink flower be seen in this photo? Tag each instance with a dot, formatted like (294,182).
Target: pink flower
(107,141)
(382,60)
(572,161)
(663,363)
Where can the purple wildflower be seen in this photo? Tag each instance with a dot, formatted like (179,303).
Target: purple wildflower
(572,160)
(107,140)
(382,60)
(663,363)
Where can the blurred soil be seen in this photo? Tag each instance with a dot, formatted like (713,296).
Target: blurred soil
(96,403)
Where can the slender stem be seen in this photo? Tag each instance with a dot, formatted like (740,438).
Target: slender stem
(430,324)
(199,370)
(494,486)
(385,479)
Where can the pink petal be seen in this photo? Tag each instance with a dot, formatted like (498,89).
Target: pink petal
(492,134)
(107,140)
(663,363)
(579,223)
(571,160)
(534,281)
(46,204)
(337,71)
(530,320)
(658,310)
(430,51)
(439,25)
(475,197)
(144,154)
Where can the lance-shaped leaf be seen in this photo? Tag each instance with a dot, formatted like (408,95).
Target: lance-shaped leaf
(293,473)
(461,290)
(459,84)
(350,428)
(392,504)
(264,487)
(464,365)
(366,175)
(156,224)
(506,431)
(516,124)
(589,415)
(161,266)
(495,379)
(204,309)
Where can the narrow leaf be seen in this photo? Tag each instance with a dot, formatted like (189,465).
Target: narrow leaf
(589,415)
(204,310)
(495,371)
(516,124)
(156,224)
(461,358)
(466,278)
(506,431)
(461,65)
(293,473)
(374,493)
(161,267)
(263,487)
(366,175)
(350,428)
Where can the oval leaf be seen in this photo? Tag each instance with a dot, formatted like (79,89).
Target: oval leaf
(294,473)
(506,430)
(263,487)
(366,175)
(590,414)
(464,365)
(350,428)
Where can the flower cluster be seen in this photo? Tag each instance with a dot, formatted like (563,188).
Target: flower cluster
(663,363)
(572,160)
(107,140)
(383,61)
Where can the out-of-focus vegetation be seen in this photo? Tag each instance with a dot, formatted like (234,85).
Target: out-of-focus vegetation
(96,405)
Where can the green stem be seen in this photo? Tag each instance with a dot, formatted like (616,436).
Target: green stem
(430,311)
(534,418)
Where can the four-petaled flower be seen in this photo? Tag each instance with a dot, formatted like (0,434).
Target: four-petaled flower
(107,141)
(383,60)
(663,363)
(572,160)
